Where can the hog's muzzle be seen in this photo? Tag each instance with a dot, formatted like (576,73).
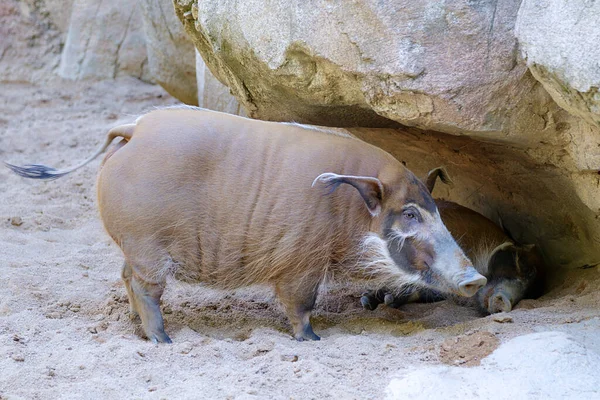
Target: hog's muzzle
(470,282)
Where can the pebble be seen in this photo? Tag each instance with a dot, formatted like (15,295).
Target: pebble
(289,357)
(502,318)
(16,221)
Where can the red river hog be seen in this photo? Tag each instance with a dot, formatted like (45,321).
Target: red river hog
(231,202)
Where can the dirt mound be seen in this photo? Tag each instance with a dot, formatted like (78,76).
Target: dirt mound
(468,350)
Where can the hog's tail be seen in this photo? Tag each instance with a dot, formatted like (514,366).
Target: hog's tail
(37,171)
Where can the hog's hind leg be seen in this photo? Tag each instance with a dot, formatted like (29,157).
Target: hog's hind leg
(146,297)
(144,300)
(126,275)
(145,275)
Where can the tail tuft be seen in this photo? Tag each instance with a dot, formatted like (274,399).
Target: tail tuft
(36,171)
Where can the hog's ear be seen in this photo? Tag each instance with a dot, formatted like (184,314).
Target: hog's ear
(370,189)
(502,255)
(434,174)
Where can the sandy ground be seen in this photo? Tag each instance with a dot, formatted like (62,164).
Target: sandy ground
(64,329)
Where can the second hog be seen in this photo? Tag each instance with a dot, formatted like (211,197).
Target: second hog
(513,271)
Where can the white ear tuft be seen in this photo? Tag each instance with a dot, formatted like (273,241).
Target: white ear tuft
(326,177)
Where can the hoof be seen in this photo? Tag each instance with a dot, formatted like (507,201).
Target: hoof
(159,338)
(389,300)
(499,302)
(306,334)
(397,301)
(368,302)
(303,338)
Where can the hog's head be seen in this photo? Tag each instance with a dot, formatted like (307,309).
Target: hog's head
(407,244)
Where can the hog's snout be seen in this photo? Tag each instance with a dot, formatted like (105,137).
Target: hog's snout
(470,282)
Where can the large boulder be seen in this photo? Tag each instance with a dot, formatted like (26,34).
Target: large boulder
(450,66)
(561,42)
(144,39)
(104,39)
(171,55)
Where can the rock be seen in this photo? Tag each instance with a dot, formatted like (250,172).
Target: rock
(212,94)
(502,318)
(452,67)
(59,12)
(545,365)
(171,55)
(104,39)
(560,41)
(16,221)
(289,357)
(30,43)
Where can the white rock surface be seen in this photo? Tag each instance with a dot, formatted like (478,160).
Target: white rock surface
(171,56)
(212,94)
(545,365)
(105,38)
(561,41)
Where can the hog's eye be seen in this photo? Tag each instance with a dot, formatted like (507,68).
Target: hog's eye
(410,214)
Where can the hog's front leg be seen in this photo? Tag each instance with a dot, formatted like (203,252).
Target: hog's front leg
(370,300)
(299,301)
